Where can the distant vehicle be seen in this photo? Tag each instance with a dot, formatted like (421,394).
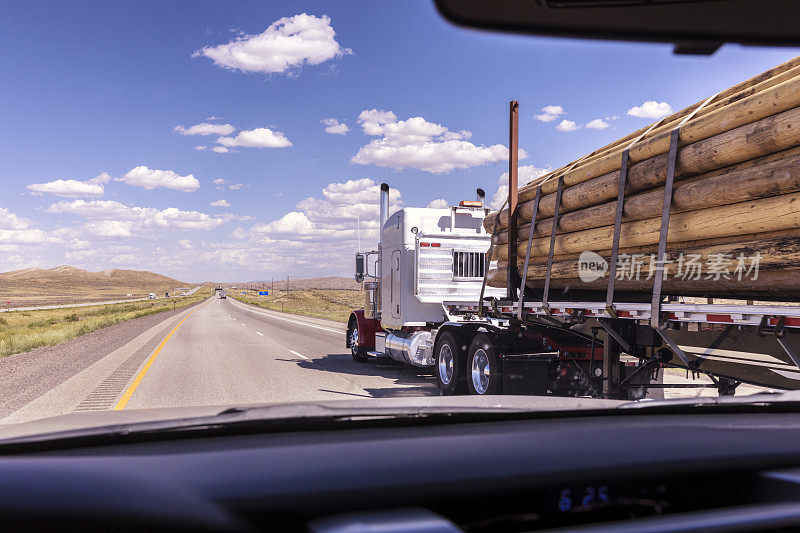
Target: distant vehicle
(166,294)
(183,293)
(152,296)
(222,296)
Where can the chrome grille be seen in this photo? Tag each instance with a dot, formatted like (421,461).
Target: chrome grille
(469,265)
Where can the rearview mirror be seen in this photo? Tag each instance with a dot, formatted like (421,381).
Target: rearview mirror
(359,267)
(695,26)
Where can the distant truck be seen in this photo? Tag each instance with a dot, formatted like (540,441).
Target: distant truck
(152,296)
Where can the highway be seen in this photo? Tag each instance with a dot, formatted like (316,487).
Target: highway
(87,304)
(220,352)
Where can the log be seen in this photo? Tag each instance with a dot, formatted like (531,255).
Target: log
(763,177)
(755,216)
(774,134)
(778,286)
(754,85)
(772,100)
(674,247)
(775,254)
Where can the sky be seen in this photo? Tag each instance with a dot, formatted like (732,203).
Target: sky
(236,141)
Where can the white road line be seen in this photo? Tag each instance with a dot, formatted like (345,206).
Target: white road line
(293,321)
(300,355)
(259,333)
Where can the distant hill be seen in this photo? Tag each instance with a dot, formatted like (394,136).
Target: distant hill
(67,284)
(329,282)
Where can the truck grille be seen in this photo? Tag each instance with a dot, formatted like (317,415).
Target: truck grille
(468,265)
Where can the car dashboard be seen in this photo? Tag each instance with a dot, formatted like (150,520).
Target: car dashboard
(633,471)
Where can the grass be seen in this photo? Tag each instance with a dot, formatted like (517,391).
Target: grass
(22,331)
(331,304)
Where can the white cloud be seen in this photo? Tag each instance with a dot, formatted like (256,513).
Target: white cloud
(567,125)
(525,174)
(150,179)
(204,128)
(219,149)
(285,46)
(238,186)
(334,127)
(185,244)
(256,138)
(220,203)
(108,218)
(438,203)
(651,109)
(17,230)
(200,147)
(72,188)
(417,143)
(219,181)
(550,113)
(597,124)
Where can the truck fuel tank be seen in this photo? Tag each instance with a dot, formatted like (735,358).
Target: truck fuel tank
(414,348)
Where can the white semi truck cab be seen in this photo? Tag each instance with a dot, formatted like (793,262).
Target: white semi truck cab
(426,257)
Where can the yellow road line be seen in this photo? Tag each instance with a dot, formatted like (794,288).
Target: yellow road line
(128,393)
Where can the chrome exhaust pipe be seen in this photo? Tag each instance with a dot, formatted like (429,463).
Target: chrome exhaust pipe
(384,205)
(481,197)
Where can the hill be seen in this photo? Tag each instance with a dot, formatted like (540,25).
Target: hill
(68,284)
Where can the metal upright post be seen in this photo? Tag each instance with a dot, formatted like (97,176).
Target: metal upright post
(512,281)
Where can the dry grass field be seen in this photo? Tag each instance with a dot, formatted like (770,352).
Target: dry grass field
(22,331)
(331,304)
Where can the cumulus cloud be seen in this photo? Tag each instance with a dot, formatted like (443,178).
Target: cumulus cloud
(219,149)
(334,127)
(17,230)
(185,244)
(256,138)
(284,47)
(108,218)
(651,109)
(238,186)
(418,143)
(150,179)
(72,188)
(597,124)
(550,113)
(438,203)
(525,174)
(220,203)
(205,128)
(567,125)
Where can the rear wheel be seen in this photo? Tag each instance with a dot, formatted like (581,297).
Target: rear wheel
(359,352)
(483,370)
(449,371)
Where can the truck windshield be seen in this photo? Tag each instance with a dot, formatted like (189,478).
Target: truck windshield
(292,202)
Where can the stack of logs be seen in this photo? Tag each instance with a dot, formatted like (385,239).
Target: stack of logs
(735,202)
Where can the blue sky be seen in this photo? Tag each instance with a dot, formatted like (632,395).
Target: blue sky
(97,89)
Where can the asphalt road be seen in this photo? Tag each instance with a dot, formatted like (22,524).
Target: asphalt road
(87,304)
(224,352)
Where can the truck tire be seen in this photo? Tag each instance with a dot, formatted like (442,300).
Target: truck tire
(359,352)
(483,367)
(450,375)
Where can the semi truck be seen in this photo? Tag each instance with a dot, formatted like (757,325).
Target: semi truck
(427,304)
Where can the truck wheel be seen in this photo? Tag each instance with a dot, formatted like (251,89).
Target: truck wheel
(483,366)
(449,371)
(359,352)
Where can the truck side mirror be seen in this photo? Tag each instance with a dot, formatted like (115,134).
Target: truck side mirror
(359,267)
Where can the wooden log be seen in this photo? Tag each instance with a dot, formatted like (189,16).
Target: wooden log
(774,134)
(754,85)
(766,176)
(755,216)
(777,286)
(775,254)
(772,100)
(674,247)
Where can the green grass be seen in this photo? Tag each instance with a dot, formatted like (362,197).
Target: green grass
(320,303)
(22,331)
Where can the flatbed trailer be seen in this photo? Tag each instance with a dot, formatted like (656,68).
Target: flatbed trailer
(732,344)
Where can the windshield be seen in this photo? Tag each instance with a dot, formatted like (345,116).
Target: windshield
(268,203)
